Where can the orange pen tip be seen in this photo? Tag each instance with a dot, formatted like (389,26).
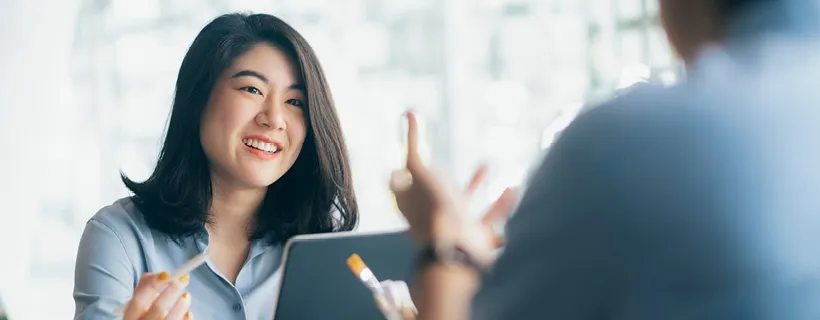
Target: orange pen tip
(356,264)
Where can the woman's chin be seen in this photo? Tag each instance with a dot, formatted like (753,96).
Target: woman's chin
(257,180)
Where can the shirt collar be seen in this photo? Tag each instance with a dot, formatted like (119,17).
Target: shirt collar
(258,247)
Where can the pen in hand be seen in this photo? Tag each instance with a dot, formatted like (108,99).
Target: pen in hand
(365,275)
(186,268)
(392,297)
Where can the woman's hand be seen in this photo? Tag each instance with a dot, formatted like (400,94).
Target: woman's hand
(157,297)
(437,214)
(396,302)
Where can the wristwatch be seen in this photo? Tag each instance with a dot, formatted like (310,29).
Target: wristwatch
(432,253)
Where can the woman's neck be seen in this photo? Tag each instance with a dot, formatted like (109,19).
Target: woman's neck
(233,210)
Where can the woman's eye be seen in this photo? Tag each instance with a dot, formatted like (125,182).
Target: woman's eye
(295,102)
(252,90)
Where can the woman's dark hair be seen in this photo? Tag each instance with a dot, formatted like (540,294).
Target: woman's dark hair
(176,198)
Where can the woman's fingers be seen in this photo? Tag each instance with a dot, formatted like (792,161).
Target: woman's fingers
(147,290)
(384,305)
(166,300)
(408,313)
(391,311)
(396,300)
(180,309)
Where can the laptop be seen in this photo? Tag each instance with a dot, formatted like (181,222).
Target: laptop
(316,282)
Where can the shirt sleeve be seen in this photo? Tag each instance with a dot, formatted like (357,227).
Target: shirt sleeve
(103,276)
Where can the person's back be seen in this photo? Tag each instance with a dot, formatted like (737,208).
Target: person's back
(700,201)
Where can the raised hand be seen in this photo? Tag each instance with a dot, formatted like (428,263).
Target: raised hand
(435,212)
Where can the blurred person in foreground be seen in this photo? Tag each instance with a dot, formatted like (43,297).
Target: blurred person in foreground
(698,201)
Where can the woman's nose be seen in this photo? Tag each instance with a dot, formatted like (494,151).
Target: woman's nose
(272,117)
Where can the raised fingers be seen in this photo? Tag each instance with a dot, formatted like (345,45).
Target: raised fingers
(502,207)
(478,178)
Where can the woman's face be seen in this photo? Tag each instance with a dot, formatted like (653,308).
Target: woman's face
(253,126)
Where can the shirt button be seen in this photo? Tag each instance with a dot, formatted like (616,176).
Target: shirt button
(237,307)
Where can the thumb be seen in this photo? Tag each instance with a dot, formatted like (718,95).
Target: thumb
(400,181)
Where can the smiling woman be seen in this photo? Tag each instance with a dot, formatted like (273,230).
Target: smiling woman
(253,155)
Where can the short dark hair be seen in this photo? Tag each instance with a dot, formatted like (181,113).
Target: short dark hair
(732,7)
(176,198)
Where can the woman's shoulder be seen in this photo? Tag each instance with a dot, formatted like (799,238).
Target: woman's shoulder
(123,219)
(115,238)
(122,212)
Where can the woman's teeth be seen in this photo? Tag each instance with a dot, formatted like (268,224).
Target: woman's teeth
(259,145)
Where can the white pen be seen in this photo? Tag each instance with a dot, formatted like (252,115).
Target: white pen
(364,274)
(186,267)
(355,263)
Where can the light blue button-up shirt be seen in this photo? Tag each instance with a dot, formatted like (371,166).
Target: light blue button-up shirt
(117,247)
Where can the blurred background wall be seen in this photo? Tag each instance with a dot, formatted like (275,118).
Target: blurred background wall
(87,88)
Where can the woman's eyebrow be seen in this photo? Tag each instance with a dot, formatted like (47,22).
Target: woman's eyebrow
(250,73)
